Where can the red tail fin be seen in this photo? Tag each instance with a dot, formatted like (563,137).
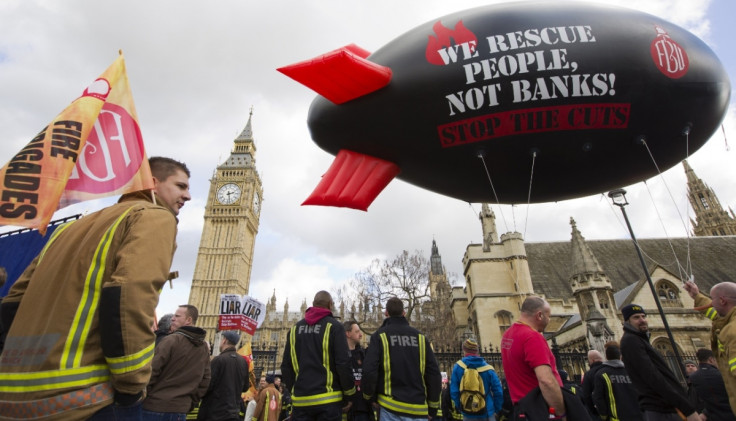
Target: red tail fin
(353,181)
(340,75)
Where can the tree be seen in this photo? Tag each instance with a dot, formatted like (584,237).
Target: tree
(406,276)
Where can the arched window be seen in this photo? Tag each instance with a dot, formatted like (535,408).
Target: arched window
(668,294)
(664,346)
(504,320)
(603,300)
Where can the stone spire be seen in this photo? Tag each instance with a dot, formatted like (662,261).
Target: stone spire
(247,133)
(436,260)
(583,260)
(244,148)
(590,285)
(488,222)
(710,218)
(271,306)
(438,282)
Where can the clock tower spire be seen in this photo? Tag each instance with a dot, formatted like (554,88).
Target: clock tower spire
(231,219)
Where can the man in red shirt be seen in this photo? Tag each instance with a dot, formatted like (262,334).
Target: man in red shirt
(527,359)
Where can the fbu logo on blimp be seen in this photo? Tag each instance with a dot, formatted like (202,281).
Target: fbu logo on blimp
(668,56)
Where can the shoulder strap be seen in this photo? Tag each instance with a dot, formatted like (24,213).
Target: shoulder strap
(462,364)
(486,367)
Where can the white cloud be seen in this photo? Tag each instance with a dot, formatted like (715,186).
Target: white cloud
(196,68)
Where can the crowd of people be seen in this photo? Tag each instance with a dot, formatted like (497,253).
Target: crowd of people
(87,350)
(397,376)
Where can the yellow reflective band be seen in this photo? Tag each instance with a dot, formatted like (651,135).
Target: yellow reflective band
(386,365)
(711,313)
(611,397)
(292,351)
(406,408)
(53,237)
(433,404)
(732,364)
(53,379)
(350,392)
(54,405)
(326,357)
(321,399)
(87,307)
(422,356)
(128,363)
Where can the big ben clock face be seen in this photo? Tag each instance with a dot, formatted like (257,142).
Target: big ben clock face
(228,194)
(256,203)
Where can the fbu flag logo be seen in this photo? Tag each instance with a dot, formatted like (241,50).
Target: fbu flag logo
(112,154)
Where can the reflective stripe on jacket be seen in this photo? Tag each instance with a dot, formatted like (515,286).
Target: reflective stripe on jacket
(316,363)
(401,371)
(84,308)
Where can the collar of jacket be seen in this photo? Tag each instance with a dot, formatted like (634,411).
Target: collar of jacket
(614,363)
(474,361)
(145,195)
(395,320)
(631,329)
(314,314)
(193,333)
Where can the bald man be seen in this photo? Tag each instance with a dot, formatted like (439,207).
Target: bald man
(720,309)
(595,361)
(525,352)
(316,364)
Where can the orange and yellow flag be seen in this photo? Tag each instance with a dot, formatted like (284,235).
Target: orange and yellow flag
(92,149)
(247,353)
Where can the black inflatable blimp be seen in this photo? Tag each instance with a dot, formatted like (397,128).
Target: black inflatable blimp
(514,103)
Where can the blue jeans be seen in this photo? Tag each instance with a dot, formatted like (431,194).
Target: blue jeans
(163,416)
(114,412)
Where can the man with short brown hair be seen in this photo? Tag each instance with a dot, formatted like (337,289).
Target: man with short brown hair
(88,341)
(180,369)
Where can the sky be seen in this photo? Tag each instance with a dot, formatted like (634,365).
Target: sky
(197,68)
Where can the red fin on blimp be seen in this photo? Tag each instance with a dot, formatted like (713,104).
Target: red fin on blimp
(353,181)
(340,75)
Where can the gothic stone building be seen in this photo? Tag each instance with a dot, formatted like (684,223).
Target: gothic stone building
(587,282)
(231,219)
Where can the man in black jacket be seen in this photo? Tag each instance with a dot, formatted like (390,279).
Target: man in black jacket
(361,410)
(229,380)
(400,369)
(316,364)
(613,393)
(710,389)
(660,393)
(595,360)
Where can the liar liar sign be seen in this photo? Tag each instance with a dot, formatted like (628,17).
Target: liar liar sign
(112,154)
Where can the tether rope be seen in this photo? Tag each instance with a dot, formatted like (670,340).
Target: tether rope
(688,269)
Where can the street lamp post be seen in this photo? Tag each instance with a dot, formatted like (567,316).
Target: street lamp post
(618,197)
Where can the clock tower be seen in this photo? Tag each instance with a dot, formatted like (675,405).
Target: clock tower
(231,218)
